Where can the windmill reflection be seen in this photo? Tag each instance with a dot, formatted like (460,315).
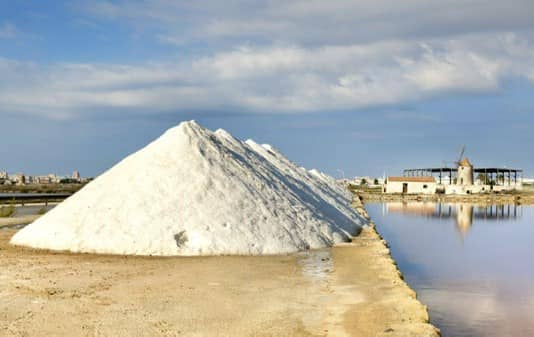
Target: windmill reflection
(463,213)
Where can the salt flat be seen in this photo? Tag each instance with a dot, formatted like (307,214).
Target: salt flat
(350,290)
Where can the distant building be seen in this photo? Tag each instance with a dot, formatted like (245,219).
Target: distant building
(380,181)
(19,178)
(459,180)
(4,177)
(42,180)
(76,176)
(410,185)
(360,180)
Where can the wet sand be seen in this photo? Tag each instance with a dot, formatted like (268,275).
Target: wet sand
(351,290)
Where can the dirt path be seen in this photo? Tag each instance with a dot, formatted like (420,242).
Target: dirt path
(353,290)
(15,221)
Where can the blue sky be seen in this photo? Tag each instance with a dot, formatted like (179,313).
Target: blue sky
(363,87)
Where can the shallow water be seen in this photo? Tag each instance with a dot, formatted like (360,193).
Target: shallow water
(472,265)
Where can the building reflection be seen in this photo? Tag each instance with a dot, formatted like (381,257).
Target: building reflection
(464,217)
(464,214)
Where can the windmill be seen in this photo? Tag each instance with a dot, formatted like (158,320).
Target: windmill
(465,169)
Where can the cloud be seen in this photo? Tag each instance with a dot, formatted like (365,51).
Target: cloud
(281,57)
(318,22)
(8,31)
(170,40)
(413,116)
(272,79)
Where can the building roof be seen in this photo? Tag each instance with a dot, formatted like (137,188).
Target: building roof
(454,169)
(465,163)
(424,179)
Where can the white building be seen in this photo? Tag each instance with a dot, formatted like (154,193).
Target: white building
(410,185)
(42,180)
(19,178)
(76,176)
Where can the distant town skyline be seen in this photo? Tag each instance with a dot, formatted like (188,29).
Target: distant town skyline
(6,172)
(371,90)
(23,178)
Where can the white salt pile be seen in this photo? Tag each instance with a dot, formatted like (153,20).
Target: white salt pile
(197,192)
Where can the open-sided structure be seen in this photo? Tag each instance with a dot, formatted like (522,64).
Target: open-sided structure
(463,179)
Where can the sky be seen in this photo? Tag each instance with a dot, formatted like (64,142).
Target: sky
(347,87)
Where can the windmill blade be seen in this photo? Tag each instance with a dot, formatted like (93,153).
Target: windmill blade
(462,151)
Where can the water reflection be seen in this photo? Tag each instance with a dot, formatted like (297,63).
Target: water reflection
(462,213)
(481,285)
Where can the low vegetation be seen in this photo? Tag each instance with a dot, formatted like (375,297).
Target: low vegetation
(7,211)
(41,188)
(42,210)
(364,188)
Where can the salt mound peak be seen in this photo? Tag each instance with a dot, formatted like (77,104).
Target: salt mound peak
(197,192)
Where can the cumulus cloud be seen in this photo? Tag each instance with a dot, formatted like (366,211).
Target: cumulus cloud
(272,79)
(283,56)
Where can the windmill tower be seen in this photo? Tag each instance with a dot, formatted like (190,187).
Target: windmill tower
(465,170)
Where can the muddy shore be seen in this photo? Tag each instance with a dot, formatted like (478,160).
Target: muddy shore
(350,290)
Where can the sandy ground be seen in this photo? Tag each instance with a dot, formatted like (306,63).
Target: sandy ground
(15,221)
(352,290)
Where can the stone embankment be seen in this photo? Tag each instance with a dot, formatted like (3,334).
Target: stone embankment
(524,198)
(415,313)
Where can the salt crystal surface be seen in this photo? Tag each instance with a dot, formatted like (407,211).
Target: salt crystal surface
(197,192)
